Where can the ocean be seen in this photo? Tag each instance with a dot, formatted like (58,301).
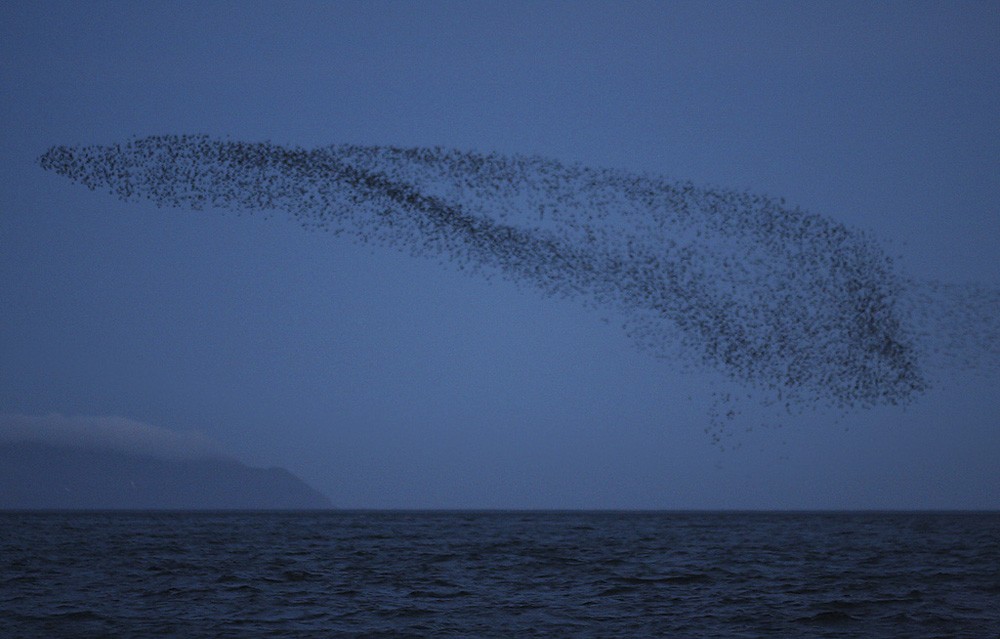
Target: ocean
(499,574)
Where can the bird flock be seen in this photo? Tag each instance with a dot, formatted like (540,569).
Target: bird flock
(774,297)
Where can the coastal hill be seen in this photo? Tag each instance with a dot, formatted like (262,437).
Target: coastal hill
(39,475)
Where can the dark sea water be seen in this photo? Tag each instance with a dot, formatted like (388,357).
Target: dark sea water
(494,574)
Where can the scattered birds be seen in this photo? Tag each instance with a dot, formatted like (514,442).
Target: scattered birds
(774,297)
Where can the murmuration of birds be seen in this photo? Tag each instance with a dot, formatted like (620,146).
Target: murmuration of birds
(774,297)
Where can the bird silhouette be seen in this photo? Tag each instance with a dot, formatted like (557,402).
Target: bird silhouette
(769,294)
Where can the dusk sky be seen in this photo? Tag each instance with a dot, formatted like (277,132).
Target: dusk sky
(392,381)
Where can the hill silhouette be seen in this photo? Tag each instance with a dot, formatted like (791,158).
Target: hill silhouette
(36,475)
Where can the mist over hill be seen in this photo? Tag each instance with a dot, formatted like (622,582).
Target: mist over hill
(37,475)
(111,463)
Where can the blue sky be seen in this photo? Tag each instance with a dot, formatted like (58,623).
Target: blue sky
(390,381)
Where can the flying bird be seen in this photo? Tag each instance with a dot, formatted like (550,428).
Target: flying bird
(770,295)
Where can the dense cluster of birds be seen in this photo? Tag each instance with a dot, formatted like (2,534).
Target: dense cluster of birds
(772,296)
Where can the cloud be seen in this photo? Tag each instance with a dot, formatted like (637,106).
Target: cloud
(107,433)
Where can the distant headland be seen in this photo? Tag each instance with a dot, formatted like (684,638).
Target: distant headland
(41,475)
